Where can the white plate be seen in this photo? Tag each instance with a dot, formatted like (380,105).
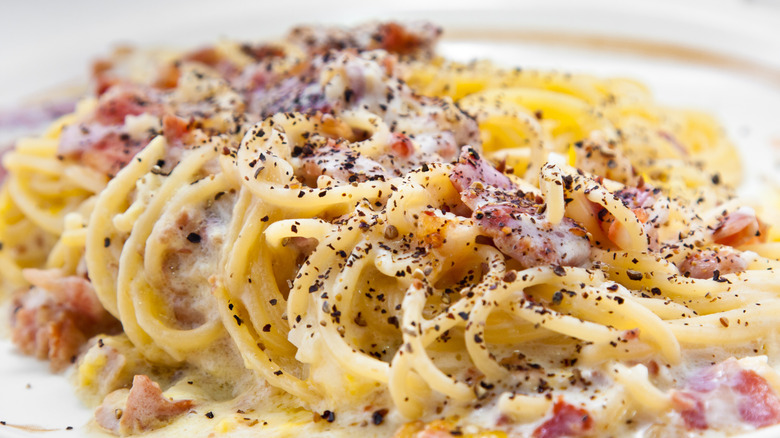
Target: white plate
(718,56)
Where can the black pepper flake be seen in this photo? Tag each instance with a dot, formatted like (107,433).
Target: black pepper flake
(278,373)
(559,271)
(264,219)
(193,237)
(106,243)
(69,428)
(393,321)
(391,232)
(209,414)
(272,301)
(510,276)
(463,315)
(655,291)
(378,416)
(267,328)
(557,297)
(348,93)
(634,275)
(239,321)
(329,416)
(716,179)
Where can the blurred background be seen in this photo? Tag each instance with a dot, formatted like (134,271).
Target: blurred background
(44,43)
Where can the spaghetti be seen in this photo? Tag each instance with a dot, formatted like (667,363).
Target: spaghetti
(345,224)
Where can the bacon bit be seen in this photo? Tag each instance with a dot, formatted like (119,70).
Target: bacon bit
(641,214)
(175,129)
(145,409)
(104,83)
(691,408)
(532,241)
(653,368)
(754,400)
(760,405)
(121,101)
(207,55)
(401,146)
(513,219)
(396,39)
(741,227)
(705,263)
(566,421)
(472,168)
(57,316)
(108,155)
(168,77)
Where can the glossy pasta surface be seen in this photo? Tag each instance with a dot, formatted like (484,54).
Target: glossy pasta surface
(343,233)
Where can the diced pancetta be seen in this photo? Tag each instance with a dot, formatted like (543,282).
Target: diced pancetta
(145,408)
(726,394)
(515,220)
(56,317)
(741,227)
(566,421)
(706,263)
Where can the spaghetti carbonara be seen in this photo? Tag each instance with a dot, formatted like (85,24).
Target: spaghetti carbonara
(342,233)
